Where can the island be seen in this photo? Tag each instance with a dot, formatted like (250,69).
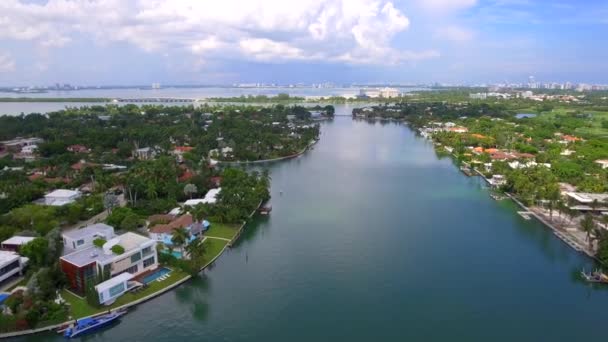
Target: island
(104,207)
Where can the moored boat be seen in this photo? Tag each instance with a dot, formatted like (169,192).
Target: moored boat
(595,277)
(90,324)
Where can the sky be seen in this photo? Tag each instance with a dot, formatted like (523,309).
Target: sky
(139,42)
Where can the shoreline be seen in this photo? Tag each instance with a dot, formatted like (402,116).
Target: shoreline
(562,234)
(141,300)
(235,163)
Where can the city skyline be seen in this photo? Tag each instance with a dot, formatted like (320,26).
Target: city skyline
(363,41)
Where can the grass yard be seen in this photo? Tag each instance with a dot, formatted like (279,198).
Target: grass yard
(226,231)
(213,248)
(80,308)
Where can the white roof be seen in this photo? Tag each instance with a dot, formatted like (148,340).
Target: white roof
(121,278)
(63,193)
(18,240)
(210,198)
(6,256)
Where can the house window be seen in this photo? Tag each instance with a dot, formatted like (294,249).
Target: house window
(4,270)
(135,257)
(146,251)
(80,242)
(148,262)
(132,269)
(117,289)
(101,297)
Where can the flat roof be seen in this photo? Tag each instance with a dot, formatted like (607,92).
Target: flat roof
(6,257)
(18,240)
(126,276)
(88,255)
(103,228)
(587,197)
(63,193)
(129,241)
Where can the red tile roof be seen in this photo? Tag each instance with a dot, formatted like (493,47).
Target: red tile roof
(180,222)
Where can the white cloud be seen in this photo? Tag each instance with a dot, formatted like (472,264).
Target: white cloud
(442,6)
(352,31)
(7,64)
(455,33)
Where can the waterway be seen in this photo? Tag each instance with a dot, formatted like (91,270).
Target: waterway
(373,237)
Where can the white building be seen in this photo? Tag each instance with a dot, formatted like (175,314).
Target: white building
(210,198)
(14,243)
(113,288)
(11,264)
(389,92)
(83,238)
(61,197)
(136,254)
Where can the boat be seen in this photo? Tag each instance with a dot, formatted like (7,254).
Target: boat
(595,277)
(90,324)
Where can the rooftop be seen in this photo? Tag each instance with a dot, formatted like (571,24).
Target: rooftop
(7,257)
(63,193)
(97,228)
(126,276)
(180,222)
(18,240)
(128,241)
(586,197)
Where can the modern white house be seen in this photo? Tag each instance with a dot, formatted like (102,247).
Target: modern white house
(61,197)
(113,288)
(14,243)
(83,238)
(11,264)
(210,198)
(136,254)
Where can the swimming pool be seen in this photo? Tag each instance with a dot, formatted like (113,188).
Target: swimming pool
(155,275)
(176,254)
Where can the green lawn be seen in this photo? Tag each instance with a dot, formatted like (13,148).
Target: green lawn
(213,248)
(226,231)
(80,308)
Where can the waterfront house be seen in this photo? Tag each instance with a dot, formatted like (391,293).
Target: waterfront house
(497,181)
(11,264)
(61,197)
(83,238)
(163,233)
(130,252)
(14,243)
(113,288)
(210,198)
(585,201)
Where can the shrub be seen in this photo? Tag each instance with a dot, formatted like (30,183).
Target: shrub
(99,242)
(118,249)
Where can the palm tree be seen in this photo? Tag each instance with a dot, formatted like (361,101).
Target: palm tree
(190,189)
(196,249)
(588,226)
(179,238)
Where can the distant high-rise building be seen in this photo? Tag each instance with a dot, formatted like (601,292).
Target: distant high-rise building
(155,85)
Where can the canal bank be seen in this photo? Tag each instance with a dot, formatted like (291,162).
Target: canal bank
(373,237)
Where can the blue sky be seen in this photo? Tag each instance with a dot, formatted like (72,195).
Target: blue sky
(121,42)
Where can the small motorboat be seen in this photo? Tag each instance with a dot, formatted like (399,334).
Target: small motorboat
(595,277)
(90,324)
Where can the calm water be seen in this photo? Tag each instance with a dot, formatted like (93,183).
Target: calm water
(16,108)
(376,239)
